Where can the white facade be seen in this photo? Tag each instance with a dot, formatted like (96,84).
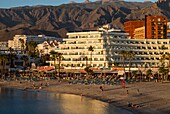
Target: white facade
(16,44)
(168,25)
(75,48)
(4,45)
(47,46)
(168,31)
(107,47)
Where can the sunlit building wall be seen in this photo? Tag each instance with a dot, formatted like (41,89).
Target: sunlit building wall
(16,43)
(75,49)
(139,33)
(107,47)
(156,27)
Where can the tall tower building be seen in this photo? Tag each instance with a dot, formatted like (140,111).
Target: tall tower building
(155,27)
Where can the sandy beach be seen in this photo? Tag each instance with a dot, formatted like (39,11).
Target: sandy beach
(151,97)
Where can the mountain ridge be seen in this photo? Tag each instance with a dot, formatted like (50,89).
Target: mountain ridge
(58,20)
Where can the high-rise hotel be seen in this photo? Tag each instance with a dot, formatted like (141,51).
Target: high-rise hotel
(107,45)
(144,38)
(75,49)
(153,27)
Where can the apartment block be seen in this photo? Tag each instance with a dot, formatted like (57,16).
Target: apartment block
(155,27)
(4,45)
(75,49)
(107,47)
(16,43)
(130,26)
(139,33)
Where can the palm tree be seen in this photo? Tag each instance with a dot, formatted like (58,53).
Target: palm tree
(149,73)
(22,44)
(59,57)
(164,71)
(1,64)
(130,56)
(162,67)
(162,60)
(84,58)
(10,55)
(163,48)
(123,54)
(3,61)
(54,57)
(44,58)
(168,58)
(134,74)
(88,70)
(91,49)
(31,50)
(25,59)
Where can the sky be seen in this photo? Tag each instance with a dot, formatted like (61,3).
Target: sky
(17,3)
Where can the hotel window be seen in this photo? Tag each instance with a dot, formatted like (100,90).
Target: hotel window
(143,48)
(101,59)
(158,42)
(154,47)
(96,59)
(78,65)
(94,65)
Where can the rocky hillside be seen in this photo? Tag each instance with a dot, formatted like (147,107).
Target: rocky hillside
(57,20)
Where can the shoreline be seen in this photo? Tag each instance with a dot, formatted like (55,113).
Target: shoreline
(153,98)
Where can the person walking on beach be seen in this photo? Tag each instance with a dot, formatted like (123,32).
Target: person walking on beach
(81,96)
(127,92)
(123,83)
(33,85)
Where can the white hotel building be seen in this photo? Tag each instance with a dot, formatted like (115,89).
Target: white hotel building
(107,46)
(16,44)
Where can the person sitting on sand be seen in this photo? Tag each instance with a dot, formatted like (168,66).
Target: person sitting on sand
(46,84)
(40,87)
(33,85)
(25,88)
(138,92)
(133,105)
(101,88)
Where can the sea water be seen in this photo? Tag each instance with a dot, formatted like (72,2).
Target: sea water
(15,101)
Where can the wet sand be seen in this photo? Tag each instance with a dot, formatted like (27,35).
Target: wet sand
(153,98)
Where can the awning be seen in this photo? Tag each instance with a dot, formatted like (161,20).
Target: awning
(120,72)
(50,71)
